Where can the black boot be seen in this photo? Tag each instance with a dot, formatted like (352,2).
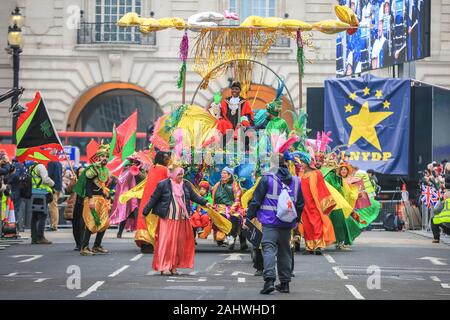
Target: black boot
(283,287)
(243,243)
(268,287)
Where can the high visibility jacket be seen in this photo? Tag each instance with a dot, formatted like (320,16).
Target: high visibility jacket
(36,181)
(444,216)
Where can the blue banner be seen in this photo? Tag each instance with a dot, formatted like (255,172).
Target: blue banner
(372,117)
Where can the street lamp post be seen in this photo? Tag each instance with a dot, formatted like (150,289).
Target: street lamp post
(15,48)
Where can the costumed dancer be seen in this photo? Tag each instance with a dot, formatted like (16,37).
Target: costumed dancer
(125,215)
(354,191)
(226,196)
(345,227)
(96,206)
(145,228)
(174,240)
(370,213)
(316,226)
(273,123)
(200,220)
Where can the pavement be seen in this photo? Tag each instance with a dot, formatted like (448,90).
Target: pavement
(381,266)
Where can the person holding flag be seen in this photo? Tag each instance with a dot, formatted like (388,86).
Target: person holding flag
(91,186)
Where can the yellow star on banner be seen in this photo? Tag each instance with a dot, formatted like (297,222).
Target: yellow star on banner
(379,94)
(386,104)
(353,96)
(366,91)
(363,125)
(348,108)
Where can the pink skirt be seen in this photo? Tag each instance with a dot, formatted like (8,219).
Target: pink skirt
(174,246)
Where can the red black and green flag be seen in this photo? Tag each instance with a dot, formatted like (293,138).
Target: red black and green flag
(123,143)
(36,136)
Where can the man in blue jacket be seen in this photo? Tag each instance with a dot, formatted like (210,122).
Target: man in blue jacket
(276,233)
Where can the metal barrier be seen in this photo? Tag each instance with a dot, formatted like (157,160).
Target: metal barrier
(398,202)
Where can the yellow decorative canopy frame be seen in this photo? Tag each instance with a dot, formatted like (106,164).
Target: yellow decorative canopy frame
(252,39)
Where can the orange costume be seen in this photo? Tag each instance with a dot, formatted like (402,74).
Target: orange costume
(155,174)
(317,227)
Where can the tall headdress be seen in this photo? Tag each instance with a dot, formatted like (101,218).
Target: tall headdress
(274,107)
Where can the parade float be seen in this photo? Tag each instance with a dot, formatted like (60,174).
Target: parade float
(193,133)
(219,49)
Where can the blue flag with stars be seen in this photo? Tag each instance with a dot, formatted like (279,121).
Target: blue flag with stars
(372,117)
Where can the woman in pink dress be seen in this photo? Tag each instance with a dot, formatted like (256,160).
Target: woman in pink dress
(174,240)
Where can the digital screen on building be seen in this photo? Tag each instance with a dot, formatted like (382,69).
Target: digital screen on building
(391,32)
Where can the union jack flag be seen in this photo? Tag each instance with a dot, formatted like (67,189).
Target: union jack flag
(430,197)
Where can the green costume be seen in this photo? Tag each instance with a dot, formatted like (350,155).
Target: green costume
(345,230)
(94,170)
(278,126)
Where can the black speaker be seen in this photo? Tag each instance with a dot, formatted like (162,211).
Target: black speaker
(315,107)
(421,144)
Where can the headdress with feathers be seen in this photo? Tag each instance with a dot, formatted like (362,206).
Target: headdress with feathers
(274,107)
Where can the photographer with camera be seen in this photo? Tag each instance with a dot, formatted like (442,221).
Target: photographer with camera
(5,170)
(17,171)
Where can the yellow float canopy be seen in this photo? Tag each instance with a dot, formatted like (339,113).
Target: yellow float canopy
(347,20)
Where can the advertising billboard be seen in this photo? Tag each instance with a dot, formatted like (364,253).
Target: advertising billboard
(391,32)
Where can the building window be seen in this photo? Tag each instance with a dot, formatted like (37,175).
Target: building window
(262,8)
(246,8)
(107,13)
(113,107)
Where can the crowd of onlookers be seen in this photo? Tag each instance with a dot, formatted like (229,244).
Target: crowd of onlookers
(12,175)
(437,175)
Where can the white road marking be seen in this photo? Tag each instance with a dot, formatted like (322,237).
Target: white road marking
(24,274)
(33,257)
(210,267)
(93,288)
(434,260)
(434,278)
(5,245)
(445,285)
(11,274)
(236,273)
(136,258)
(340,273)
(234,257)
(241,279)
(398,270)
(195,288)
(41,280)
(329,258)
(193,273)
(115,273)
(182,279)
(355,292)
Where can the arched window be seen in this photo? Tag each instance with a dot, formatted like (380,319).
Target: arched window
(113,107)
